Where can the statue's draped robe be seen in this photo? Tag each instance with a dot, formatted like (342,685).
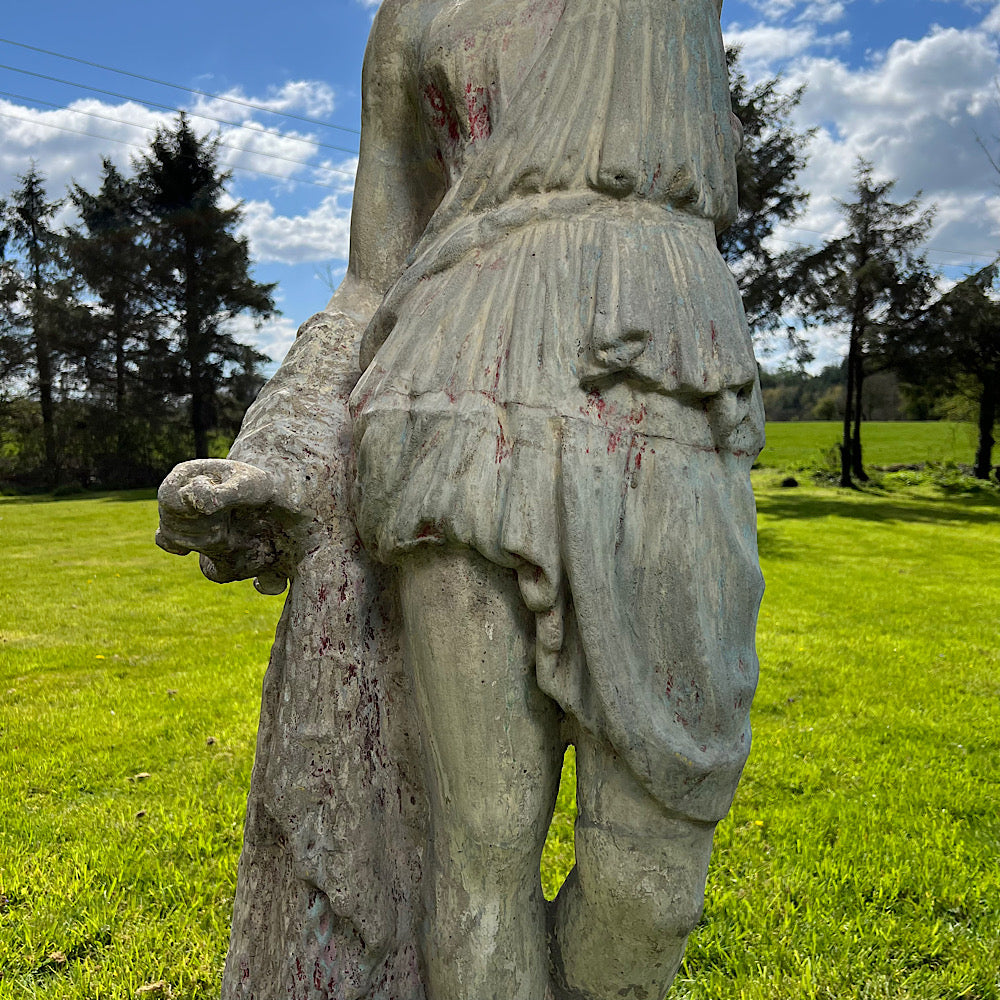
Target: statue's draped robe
(561,379)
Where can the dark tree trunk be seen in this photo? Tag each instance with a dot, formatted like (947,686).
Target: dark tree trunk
(197,356)
(43,359)
(845,444)
(857,467)
(199,425)
(987,418)
(121,439)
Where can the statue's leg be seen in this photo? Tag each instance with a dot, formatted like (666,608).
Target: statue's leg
(493,748)
(623,916)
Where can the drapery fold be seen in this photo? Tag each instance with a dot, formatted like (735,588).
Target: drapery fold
(625,101)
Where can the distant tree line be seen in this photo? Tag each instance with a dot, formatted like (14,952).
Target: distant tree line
(115,356)
(792,393)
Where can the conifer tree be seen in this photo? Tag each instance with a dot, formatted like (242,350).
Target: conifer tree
(955,346)
(199,270)
(38,298)
(773,153)
(109,252)
(871,283)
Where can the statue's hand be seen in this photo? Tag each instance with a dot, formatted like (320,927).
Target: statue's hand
(232,514)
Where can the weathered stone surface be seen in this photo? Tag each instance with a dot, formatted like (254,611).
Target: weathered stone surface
(336,818)
(507,473)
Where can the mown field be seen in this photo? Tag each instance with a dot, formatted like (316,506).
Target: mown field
(805,444)
(861,856)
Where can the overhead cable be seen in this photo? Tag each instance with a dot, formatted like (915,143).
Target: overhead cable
(177,86)
(135,145)
(153,128)
(168,107)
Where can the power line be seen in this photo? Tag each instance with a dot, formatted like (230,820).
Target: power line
(152,128)
(260,129)
(177,86)
(134,145)
(171,108)
(956,253)
(984,254)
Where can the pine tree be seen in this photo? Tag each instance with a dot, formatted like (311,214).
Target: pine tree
(13,355)
(109,252)
(38,299)
(199,268)
(955,346)
(773,153)
(872,283)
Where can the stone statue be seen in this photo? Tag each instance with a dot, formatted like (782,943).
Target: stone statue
(507,473)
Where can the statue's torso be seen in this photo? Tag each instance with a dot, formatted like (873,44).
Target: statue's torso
(627,97)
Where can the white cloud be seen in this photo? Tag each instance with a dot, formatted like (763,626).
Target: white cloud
(824,11)
(819,11)
(311,98)
(57,143)
(314,237)
(68,144)
(915,111)
(774,10)
(768,43)
(273,337)
(317,236)
(991,22)
(763,46)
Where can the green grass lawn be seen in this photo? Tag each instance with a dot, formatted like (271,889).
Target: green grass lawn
(860,859)
(801,444)
(120,822)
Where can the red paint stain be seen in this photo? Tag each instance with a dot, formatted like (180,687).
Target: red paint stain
(477,106)
(504,447)
(596,404)
(441,116)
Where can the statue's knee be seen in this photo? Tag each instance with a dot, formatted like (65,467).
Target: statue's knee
(489,840)
(652,885)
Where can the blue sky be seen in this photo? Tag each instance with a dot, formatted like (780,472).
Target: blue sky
(908,83)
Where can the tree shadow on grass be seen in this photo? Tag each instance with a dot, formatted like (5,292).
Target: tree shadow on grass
(772,544)
(116,496)
(881,508)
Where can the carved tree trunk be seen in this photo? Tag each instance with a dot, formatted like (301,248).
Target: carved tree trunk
(336,820)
